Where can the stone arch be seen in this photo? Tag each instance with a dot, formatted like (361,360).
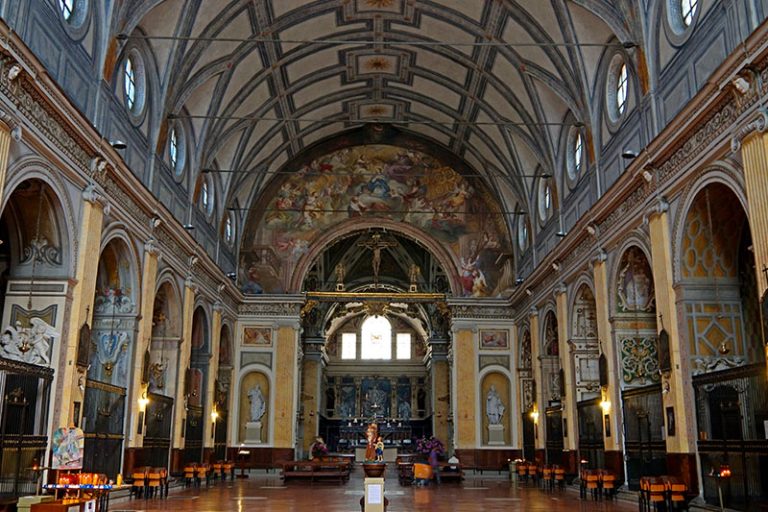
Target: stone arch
(447,261)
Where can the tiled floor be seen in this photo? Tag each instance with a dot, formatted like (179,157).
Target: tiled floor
(266,492)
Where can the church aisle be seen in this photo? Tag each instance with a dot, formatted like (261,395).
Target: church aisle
(266,492)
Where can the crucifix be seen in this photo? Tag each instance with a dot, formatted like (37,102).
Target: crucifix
(376,244)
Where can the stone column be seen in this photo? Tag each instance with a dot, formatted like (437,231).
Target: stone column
(185,350)
(614,456)
(567,388)
(285,384)
(311,390)
(681,448)
(753,141)
(540,431)
(83,290)
(210,392)
(465,385)
(137,388)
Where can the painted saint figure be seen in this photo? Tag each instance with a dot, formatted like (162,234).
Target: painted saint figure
(371,435)
(258,405)
(494,409)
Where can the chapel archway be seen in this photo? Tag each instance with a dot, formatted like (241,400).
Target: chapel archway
(721,308)
(196,382)
(527,386)
(114,329)
(551,389)
(585,352)
(34,267)
(221,399)
(164,374)
(635,331)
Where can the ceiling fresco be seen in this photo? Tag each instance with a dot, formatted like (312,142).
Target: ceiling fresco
(373,182)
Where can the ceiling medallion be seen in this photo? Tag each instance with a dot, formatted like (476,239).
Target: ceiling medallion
(377,64)
(376,111)
(380,4)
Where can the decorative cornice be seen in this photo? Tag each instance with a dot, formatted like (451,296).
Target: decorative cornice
(271,309)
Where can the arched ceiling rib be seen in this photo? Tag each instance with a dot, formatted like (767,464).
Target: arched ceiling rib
(258,93)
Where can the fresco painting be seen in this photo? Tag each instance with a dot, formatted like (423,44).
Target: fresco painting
(378,181)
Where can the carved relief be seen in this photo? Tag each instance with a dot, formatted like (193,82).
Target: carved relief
(639,360)
(28,344)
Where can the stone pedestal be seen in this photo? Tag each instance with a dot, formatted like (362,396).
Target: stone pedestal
(253,432)
(374,495)
(496,435)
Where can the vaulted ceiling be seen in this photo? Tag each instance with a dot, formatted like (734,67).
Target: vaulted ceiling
(494,82)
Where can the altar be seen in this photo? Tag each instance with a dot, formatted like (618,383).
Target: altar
(390,454)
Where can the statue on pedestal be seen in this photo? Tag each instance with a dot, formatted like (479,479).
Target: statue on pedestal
(494,408)
(258,405)
(371,435)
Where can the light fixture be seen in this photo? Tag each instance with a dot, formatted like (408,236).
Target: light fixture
(189,227)
(605,405)
(535,415)
(231,275)
(592,228)
(143,401)
(628,154)
(118,144)
(214,415)
(519,281)
(561,234)
(555,266)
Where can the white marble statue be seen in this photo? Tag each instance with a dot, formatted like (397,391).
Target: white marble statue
(28,344)
(258,405)
(494,409)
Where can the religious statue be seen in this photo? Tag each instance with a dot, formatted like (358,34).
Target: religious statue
(340,272)
(494,409)
(371,435)
(413,275)
(28,344)
(404,410)
(380,449)
(258,405)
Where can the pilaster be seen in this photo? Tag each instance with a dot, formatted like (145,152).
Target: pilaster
(137,387)
(568,388)
(285,385)
(612,392)
(5,147)
(83,291)
(185,351)
(213,371)
(464,358)
(540,403)
(311,394)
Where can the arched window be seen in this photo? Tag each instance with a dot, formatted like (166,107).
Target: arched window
(376,342)
(578,153)
(173,149)
(688,11)
(622,87)
(348,345)
(206,200)
(67,8)
(129,83)
(522,232)
(229,228)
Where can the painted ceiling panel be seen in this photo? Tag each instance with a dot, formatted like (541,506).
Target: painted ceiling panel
(240,27)
(585,24)
(437,63)
(320,27)
(470,9)
(162,20)
(242,76)
(316,90)
(197,102)
(437,30)
(311,63)
(281,7)
(437,92)
(514,33)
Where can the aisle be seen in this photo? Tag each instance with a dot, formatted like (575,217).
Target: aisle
(266,492)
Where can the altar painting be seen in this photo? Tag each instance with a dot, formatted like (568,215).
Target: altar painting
(384,182)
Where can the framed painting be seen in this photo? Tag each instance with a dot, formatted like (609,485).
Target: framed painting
(257,336)
(494,340)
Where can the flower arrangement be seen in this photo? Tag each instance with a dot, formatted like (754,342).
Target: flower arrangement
(426,446)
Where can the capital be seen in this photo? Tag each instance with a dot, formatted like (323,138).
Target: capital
(150,247)
(600,257)
(560,289)
(93,195)
(534,311)
(758,124)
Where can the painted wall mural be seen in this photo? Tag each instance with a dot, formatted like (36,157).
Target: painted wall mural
(385,182)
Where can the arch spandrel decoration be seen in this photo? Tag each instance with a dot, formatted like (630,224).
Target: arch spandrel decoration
(373,182)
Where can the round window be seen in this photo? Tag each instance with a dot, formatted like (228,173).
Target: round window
(229,229)
(681,16)
(522,232)
(617,90)
(575,157)
(74,13)
(134,84)
(177,150)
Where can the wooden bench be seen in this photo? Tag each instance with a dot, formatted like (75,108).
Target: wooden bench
(316,470)
(451,472)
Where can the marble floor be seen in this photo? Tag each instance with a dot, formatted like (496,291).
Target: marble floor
(266,492)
